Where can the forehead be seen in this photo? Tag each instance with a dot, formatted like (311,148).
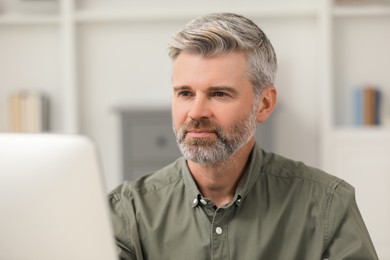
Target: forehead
(220,69)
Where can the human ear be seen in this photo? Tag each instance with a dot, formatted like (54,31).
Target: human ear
(267,102)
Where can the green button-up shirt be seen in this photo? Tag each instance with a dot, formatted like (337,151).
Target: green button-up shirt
(282,209)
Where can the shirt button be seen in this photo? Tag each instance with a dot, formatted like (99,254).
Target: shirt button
(203,201)
(218,230)
(195,202)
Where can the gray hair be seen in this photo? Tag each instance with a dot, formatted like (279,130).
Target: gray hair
(220,33)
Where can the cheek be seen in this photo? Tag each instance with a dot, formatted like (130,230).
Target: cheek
(225,118)
(178,115)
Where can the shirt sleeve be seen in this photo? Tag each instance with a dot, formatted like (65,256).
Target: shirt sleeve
(347,236)
(120,226)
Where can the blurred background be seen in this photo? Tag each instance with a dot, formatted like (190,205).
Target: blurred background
(100,68)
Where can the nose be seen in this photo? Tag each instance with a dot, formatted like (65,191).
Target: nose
(200,108)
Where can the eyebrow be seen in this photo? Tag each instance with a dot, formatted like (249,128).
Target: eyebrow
(211,89)
(180,88)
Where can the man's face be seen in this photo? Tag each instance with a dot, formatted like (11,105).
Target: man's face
(213,108)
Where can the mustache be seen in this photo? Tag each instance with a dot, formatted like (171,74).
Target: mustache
(201,123)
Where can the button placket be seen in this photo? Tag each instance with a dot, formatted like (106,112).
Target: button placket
(219,235)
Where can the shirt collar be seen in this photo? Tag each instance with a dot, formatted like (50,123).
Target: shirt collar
(250,176)
(192,192)
(252,172)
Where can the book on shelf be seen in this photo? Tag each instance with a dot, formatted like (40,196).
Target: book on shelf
(367,105)
(28,112)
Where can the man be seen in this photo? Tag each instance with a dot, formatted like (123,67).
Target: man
(226,198)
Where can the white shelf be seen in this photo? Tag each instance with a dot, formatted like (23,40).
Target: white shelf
(361,132)
(189,13)
(21,19)
(361,11)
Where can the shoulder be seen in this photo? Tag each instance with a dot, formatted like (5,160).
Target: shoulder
(139,201)
(281,168)
(295,181)
(156,182)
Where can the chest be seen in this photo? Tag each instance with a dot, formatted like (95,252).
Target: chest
(238,232)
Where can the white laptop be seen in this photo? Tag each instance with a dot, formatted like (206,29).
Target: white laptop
(52,199)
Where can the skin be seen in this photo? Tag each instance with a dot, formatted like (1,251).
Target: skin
(217,88)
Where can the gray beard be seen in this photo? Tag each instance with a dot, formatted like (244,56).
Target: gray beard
(226,144)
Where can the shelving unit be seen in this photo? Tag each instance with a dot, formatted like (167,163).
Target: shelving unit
(90,62)
(358,41)
(56,77)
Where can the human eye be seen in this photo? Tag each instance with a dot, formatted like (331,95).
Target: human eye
(219,94)
(184,93)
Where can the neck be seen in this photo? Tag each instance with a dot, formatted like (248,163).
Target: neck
(218,182)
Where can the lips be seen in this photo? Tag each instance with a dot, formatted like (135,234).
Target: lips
(199,130)
(200,133)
